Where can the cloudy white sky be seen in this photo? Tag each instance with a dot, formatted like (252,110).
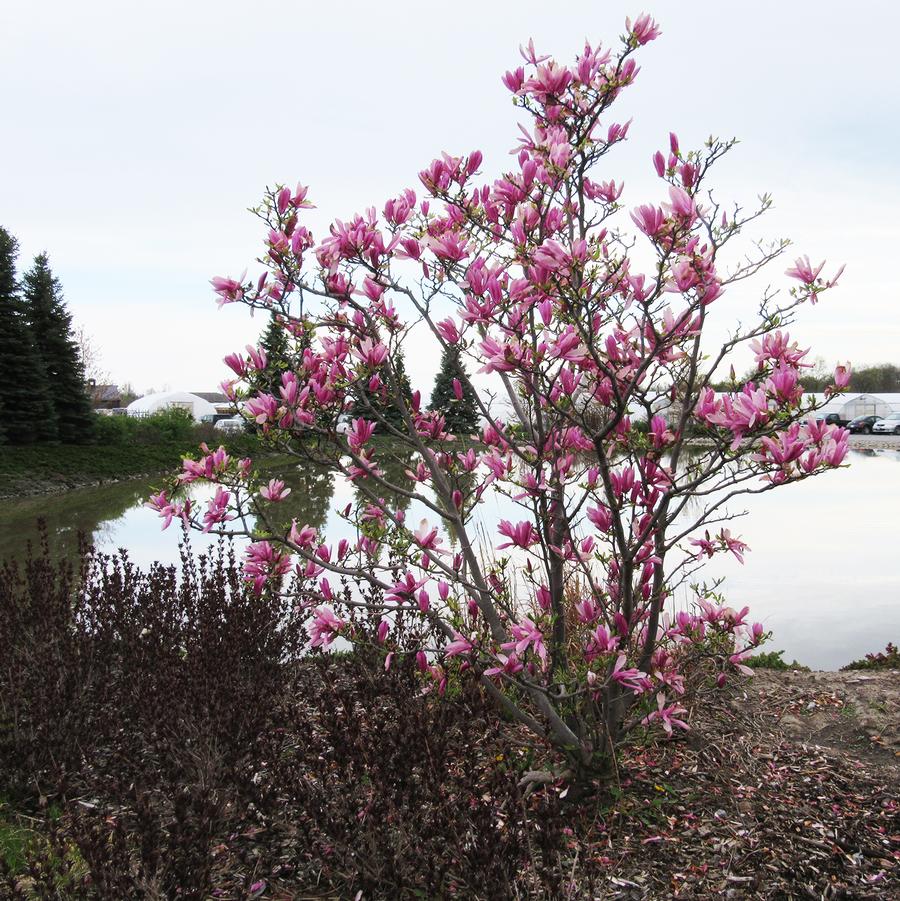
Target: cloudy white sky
(135,137)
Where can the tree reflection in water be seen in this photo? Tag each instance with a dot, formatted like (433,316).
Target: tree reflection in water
(312,488)
(94,512)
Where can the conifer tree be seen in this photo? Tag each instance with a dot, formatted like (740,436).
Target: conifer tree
(461,414)
(274,341)
(372,405)
(51,325)
(28,415)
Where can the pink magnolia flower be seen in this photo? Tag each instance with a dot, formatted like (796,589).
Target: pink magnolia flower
(228,289)
(682,204)
(783,448)
(778,347)
(804,271)
(529,54)
(509,666)
(631,678)
(404,589)
(649,219)
(450,246)
(361,430)
(459,646)
(660,433)
(428,538)
(303,538)
(644,29)
(737,661)
(659,163)
(735,545)
(324,628)
(842,376)
(526,634)
(209,467)
(262,409)
(264,562)
(448,330)
(258,357)
(666,715)
(168,509)
(600,516)
(275,491)
(514,80)
(521,534)
(371,353)
(237,364)
(217,509)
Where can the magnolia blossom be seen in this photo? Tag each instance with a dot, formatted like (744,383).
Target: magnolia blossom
(275,491)
(526,634)
(667,716)
(264,562)
(324,627)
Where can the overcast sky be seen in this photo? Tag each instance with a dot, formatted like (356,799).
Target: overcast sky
(136,136)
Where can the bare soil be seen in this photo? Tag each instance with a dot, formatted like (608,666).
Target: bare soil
(786,789)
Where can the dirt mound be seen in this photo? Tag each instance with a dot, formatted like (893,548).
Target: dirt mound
(855,713)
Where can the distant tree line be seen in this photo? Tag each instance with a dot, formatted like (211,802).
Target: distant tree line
(879,378)
(42,388)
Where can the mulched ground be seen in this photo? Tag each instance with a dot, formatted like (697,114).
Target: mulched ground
(787,789)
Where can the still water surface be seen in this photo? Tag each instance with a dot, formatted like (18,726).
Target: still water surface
(823,573)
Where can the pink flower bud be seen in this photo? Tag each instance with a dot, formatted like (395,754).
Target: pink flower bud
(659,163)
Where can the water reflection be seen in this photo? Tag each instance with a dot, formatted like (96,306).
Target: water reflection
(99,513)
(312,490)
(823,571)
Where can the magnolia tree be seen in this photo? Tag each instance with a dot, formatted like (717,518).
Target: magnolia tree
(599,426)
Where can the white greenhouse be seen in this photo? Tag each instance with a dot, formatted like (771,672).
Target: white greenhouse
(153,403)
(849,406)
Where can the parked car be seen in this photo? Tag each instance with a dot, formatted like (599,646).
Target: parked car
(832,418)
(232,424)
(889,425)
(862,425)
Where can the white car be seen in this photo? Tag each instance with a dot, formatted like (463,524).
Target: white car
(890,425)
(233,424)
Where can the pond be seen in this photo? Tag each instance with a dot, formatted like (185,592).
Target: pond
(823,573)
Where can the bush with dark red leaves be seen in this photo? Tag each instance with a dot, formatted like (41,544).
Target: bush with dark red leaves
(190,747)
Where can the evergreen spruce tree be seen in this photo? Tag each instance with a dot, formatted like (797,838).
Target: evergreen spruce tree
(274,341)
(51,325)
(25,398)
(461,415)
(370,405)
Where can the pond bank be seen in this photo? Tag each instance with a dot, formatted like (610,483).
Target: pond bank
(28,471)
(55,469)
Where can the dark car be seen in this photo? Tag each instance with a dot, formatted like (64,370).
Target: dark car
(862,425)
(831,418)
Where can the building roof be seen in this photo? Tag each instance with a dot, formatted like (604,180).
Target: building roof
(150,403)
(106,392)
(214,397)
